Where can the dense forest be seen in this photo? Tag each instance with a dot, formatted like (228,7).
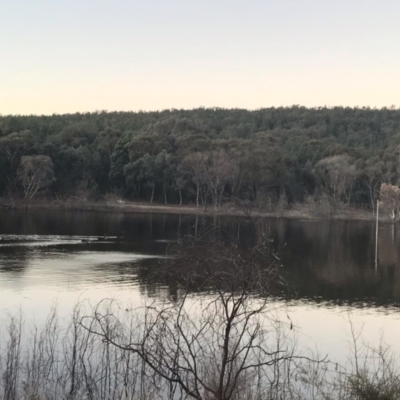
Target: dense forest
(207,157)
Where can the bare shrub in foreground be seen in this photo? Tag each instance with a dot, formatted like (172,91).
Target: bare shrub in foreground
(221,344)
(67,363)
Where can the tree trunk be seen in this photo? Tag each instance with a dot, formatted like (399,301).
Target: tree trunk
(372,200)
(197,195)
(152,194)
(180,197)
(221,196)
(254,192)
(214,193)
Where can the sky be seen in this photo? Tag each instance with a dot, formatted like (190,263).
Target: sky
(63,56)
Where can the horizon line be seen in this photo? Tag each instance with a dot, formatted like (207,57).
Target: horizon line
(141,111)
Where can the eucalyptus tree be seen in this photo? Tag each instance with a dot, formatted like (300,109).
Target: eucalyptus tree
(270,149)
(221,171)
(118,160)
(166,169)
(181,181)
(372,175)
(196,165)
(107,140)
(390,196)
(142,173)
(14,146)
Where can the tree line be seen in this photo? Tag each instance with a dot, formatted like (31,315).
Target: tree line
(206,157)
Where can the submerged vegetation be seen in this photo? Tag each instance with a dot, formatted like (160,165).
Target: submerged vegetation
(327,158)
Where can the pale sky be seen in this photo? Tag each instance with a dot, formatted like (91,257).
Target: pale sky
(60,56)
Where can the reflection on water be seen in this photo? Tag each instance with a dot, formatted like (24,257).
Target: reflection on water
(335,261)
(330,265)
(324,260)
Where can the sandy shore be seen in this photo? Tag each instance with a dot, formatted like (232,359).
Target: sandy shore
(296,212)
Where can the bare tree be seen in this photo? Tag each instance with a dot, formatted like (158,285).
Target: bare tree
(337,174)
(223,345)
(282,201)
(35,173)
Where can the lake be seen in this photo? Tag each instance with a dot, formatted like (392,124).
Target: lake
(62,257)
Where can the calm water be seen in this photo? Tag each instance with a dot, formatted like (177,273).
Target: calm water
(58,257)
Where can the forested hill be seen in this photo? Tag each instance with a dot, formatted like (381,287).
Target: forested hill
(208,156)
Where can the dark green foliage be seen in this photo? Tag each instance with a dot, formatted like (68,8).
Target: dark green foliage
(271,151)
(118,160)
(3,174)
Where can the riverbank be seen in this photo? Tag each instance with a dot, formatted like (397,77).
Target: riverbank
(297,211)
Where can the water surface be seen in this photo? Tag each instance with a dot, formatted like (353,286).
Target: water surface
(62,257)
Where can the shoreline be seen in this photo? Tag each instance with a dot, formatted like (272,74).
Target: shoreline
(295,212)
